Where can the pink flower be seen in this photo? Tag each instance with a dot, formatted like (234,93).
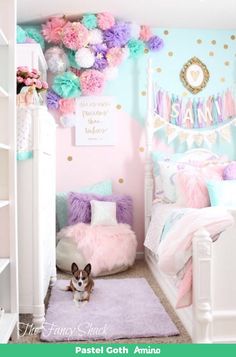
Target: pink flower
(38,84)
(22,69)
(105,20)
(20,79)
(92,82)
(52,30)
(75,35)
(44,85)
(145,33)
(28,81)
(115,56)
(67,106)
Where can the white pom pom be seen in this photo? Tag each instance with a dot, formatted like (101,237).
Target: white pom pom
(95,37)
(111,73)
(134,30)
(85,58)
(56,59)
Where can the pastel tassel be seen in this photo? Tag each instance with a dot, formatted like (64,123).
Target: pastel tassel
(195,116)
(220,109)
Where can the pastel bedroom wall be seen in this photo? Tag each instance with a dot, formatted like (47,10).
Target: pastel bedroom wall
(124,162)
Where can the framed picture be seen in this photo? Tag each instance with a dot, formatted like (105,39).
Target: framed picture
(194,75)
(95,121)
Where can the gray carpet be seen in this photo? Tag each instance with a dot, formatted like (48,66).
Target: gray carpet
(139,269)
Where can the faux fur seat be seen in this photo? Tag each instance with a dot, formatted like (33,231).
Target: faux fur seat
(109,249)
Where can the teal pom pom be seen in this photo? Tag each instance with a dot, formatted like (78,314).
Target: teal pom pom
(20,35)
(71,58)
(67,85)
(136,48)
(34,33)
(89,21)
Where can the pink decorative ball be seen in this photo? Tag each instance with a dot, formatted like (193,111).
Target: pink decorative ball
(115,56)
(92,82)
(52,30)
(105,20)
(229,172)
(67,106)
(145,33)
(75,35)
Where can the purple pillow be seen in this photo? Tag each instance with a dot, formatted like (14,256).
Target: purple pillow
(80,209)
(229,172)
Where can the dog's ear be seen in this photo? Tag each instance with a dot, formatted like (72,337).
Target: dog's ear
(74,268)
(88,268)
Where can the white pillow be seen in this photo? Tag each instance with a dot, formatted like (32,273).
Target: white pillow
(168,171)
(103,213)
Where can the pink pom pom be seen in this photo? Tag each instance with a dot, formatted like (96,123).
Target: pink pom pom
(92,82)
(145,33)
(75,35)
(52,30)
(105,20)
(67,106)
(115,56)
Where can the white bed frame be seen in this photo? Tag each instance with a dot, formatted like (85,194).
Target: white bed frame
(212,316)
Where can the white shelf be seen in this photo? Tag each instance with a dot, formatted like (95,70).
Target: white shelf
(7,324)
(3,264)
(3,39)
(3,93)
(4,203)
(4,146)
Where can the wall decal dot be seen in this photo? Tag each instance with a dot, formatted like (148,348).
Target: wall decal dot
(226,63)
(146,50)
(159,69)
(213,42)
(143,93)
(69,158)
(233,37)
(170,53)
(166,32)
(211,53)
(222,79)
(226,47)
(118,106)
(121,180)
(199,41)
(141,149)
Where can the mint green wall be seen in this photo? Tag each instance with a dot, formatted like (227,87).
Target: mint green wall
(220,59)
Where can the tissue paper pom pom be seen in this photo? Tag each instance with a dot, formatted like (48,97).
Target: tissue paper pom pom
(134,30)
(67,85)
(52,30)
(100,52)
(92,82)
(229,172)
(52,100)
(115,56)
(56,59)
(145,33)
(84,57)
(155,43)
(95,37)
(111,73)
(20,35)
(71,58)
(105,20)
(34,33)
(74,35)
(67,106)
(118,35)
(136,48)
(89,21)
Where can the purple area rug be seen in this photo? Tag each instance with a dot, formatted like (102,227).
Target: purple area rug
(118,308)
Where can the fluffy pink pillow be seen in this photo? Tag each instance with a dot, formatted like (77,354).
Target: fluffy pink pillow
(191,186)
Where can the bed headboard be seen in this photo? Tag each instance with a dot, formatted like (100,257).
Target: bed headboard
(199,154)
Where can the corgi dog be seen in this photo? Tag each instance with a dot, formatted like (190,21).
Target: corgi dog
(81,283)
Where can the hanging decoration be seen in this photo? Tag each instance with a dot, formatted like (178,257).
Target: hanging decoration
(86,53)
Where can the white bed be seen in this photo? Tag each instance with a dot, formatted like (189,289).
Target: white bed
(212,315)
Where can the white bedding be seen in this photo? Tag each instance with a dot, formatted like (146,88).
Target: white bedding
(160,212)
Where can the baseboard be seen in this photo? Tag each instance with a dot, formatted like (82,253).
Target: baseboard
(139,255)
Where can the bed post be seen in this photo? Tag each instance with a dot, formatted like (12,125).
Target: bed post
(202,299)
(148,180)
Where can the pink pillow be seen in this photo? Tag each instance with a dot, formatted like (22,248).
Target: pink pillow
(191,186)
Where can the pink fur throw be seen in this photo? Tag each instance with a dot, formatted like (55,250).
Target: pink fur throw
(106,248)
(191,186)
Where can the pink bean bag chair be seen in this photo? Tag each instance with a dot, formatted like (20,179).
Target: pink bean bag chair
(109,249)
